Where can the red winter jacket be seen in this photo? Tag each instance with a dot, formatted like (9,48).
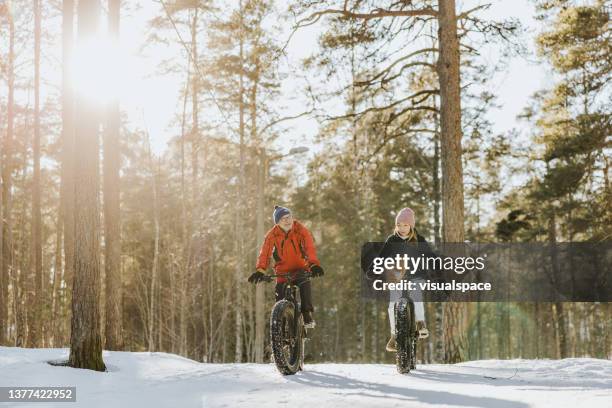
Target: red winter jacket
(293,250)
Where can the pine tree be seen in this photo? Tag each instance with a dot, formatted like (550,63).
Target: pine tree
(85,337)
(67,172)
(35,319)
(112,215)
(7,170)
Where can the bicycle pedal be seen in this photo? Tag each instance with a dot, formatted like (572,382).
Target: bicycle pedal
(310,325)
(422,334)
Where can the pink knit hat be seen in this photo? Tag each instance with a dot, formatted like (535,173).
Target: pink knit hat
(406,216)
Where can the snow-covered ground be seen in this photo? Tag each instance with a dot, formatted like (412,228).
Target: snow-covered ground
(166,380)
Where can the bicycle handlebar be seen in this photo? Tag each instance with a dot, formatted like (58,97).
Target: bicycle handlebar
(297,275)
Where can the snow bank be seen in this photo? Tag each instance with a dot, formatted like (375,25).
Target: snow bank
(166,380)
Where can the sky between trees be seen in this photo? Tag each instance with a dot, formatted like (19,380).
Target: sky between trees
(152,100)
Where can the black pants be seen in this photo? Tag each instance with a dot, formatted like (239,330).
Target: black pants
(305,293)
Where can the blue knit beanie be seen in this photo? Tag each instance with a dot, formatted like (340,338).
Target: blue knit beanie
(279,212)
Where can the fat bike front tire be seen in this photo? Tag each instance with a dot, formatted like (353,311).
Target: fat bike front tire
(414,353)
(404,336)
(287,342)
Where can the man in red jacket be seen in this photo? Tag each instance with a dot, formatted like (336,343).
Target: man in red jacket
(292,246)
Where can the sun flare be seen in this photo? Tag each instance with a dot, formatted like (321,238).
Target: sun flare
(96,68)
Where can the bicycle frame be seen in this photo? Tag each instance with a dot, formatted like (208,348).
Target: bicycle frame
(291,290)
(284,328)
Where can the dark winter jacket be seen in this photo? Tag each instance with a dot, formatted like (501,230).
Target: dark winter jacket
(394,246)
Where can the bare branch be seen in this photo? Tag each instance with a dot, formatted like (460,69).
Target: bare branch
(395,136)
(396,62)
(375,14)
(284,119)
(470,11)
(386,80)
(382,108)
(416,108)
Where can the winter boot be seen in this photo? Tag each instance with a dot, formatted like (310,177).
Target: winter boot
(392,344)
(422,332)
(309,322)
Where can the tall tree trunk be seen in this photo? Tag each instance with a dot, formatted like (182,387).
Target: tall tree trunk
(561,325)
(67,170)
(439,307)
(155,268)
(537,330)
(239,236)
(452,172)
(479,346)
(21,266)
(184,238)
(20,271)
(450,123)
(212,330)
(57,277)
(559,316)
(7,170)
(19,278)
(85,338)
(195,125)
(197,252)
(159,294)
(501,338)
(4,281)
(436,177)
(260,324)
(35,319)
(259,289)
(112,215)
(173,304)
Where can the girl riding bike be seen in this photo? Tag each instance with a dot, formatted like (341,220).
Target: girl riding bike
(405,233)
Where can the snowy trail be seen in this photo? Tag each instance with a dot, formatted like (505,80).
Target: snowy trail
(166,380)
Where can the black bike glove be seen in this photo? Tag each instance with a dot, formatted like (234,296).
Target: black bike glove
(316,271)
(256,277)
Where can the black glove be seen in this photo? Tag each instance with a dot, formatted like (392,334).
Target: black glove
(316,271)
(256,277)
